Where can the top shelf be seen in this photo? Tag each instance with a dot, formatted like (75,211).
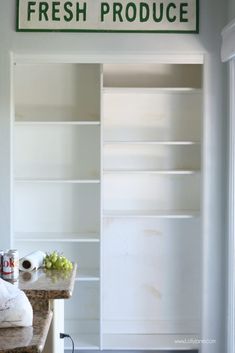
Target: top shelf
(151,90)
(62,93)
(152,75)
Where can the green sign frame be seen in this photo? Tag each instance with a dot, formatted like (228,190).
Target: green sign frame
(24,25)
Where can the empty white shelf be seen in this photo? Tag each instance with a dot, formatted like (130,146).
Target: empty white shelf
(170,143)
(83,341)
(151,214)
(54,114)
(151,341)
(56,236)
(87,274)
(170,172)
(84,122)
(69,181)
(150,90)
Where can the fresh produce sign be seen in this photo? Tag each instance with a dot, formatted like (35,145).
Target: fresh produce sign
(108,16)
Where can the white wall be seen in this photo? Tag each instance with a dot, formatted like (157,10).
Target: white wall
(212,20)
(231,10)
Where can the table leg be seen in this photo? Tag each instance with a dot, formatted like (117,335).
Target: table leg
(54,343)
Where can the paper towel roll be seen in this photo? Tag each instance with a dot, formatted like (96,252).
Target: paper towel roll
(32,261)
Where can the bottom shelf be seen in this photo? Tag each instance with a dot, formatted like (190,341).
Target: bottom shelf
(134,342)
(150,342)
(83,341)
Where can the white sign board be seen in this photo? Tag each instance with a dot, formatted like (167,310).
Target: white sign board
(108,16)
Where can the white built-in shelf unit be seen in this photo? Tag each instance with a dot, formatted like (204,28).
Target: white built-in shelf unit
(107,169)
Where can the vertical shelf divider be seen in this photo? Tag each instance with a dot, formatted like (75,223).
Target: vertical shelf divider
(101,203)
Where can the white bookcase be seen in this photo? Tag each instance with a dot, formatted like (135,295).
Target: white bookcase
(57,178)
(107,170)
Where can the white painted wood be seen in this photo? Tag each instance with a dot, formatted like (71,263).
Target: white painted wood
(151,192)
(152,200)
(231,214)
(151,275)
(227,54)
(152,157)
(151,342)
(62,93)
(58,325)
(84,321)
(53,343)
(151,327)
(152,90)
(63,197)
(83,327)
(57,152)
(63,181)
(107,58)
(87,274)
(57,236)
(57,178)
(84,342)
(101,210)
(53,207)
(151,214)
(163,76)
(46,123)
(144,117)
(170,143)
(164,172)
(10,239)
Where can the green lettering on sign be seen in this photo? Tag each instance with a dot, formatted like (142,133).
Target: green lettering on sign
(159,17)
(131,12)
(144,12)
(183,12)
(69,13)
(104,10)
(43,8)
(30,9)
(117,11)
(82,11)
(169,16)
(55,10)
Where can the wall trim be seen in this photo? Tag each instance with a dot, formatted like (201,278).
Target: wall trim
(231,214)
(228,41)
